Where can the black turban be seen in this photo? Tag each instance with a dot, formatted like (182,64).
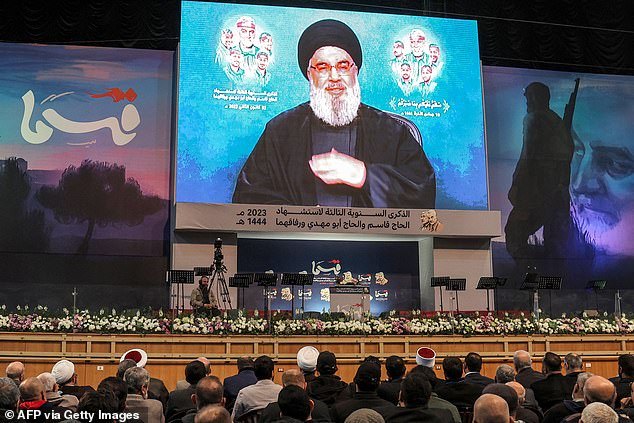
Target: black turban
(328,32)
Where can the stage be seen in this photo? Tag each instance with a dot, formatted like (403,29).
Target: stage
(96,355)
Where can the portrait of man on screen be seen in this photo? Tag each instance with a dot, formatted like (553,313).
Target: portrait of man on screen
(334,150)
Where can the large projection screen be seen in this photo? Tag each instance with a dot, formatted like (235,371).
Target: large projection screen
(239,70)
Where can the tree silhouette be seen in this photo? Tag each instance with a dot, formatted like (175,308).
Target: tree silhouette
(22,229)
(100,194)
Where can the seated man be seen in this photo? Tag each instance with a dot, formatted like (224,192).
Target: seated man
(456,390)
(150,410)
(261,394)
(389,390)
(52,393)
(233,384)
(491,408)
(327,387)
(208,394)
(555,388)
(64,373)
(180,401)
(294,405)
(472,368)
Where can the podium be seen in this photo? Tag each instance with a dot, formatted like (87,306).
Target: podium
(352,300)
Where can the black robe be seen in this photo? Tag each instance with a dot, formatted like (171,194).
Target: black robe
(277,171)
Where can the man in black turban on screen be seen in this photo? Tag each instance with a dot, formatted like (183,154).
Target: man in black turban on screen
(334,150)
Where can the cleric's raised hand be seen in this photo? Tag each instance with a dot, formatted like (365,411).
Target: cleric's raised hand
(338,168)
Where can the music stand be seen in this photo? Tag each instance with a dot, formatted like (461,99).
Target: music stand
(596,286)
(549,283)
(203,271)
(180,278)
(459,284)
(440,281)
(488,283)
(241,281)
(266,280)
(297,279)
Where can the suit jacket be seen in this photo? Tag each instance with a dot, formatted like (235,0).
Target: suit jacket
(158,391)
(390,390)
(233,384)
(460,393)
(478,379)
(555,388)
(179,401)
(415,415)
(562,410)
(272,411)
(527,376)
(622,385)
(341,410)
(150,410)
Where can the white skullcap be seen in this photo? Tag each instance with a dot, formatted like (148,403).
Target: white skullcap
(307,358)
(63,371)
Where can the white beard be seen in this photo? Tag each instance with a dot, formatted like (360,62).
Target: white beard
(336,111)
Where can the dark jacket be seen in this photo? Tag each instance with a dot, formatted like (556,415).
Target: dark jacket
(527,376)
(158,391)
(478,379)
(390,390)
(562,410)
(180,401)
(272,411)
(622,385)
(326,388)
(555,388)
(341,410)
(233,384)
(77,391)
(460,393)
(415,415)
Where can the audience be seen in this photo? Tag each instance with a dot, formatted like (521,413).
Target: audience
(233,384)
(367,381)
(525,376)
(395,368)
(456,390)
(562,410)
(509,394)
(472,368)
(180,401)
(597,389)
(555,387)
(213,414)
(51,391)
(208,393)
(491,408)
(625,378)
(157,389)
(9,397)
(258,396)
(295,377)
(327,387)
(64,373)
(435,401)
(307,362)
(183,384)
(32,397)
(413,403)
(150,410)
(294,404)
(15,372)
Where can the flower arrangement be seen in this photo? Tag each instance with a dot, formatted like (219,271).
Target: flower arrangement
(40,319)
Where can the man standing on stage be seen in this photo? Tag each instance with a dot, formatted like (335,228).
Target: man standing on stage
(334,150)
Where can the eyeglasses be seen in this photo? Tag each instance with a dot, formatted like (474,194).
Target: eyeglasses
(344,67)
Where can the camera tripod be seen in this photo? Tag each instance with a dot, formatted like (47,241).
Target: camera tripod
(218,271)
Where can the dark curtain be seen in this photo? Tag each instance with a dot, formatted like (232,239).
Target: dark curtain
(574,35)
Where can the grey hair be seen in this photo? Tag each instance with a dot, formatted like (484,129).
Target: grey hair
(48,380)
(520,362)
(504,374)
(573,360)
(136,378)
(9,394)
(598,412)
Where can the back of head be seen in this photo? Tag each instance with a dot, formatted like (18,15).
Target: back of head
(428,372)
(364,415)
(212,414)
(395,367)
(307,358)
(194,371)
(491,408)
(522,359)
(245,363)
(31,389)
(626,365)
(263,367)
(598,413)
(293,377)
(48,381)
(294,402)
(9,394)
(504,374)
(599,389)
(573,362)
(136,378)
(551,362)
(63,371)
(326,363)
(15,371)
(452,367)
(415,390)
(473,361)
(208,392)
(582,378)
(95,401)
(519,389)
(368,376)
(118,388)
(123,366)
(537,95)
(505,392)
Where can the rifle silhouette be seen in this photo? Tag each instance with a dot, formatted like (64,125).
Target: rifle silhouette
(570,107)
